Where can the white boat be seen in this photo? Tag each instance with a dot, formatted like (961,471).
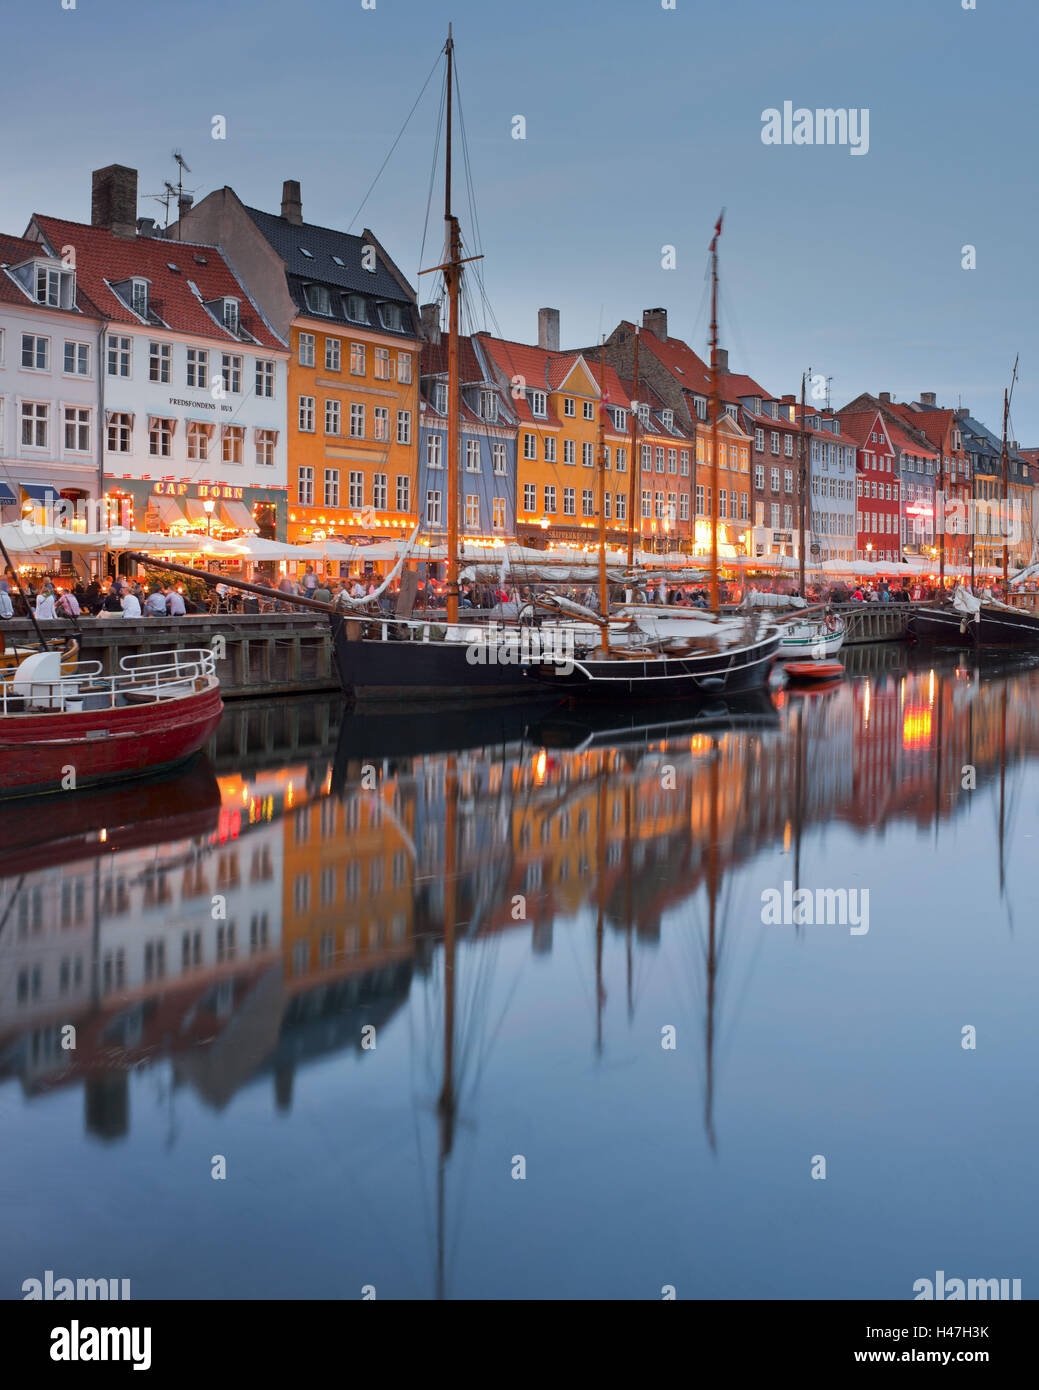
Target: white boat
(817,638)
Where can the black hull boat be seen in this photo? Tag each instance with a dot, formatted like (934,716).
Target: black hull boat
(386,668)
(994,626)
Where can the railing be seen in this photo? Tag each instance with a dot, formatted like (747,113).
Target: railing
(150,676)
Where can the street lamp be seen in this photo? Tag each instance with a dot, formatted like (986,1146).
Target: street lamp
(208,507)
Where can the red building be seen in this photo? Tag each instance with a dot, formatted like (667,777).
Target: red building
(877,486)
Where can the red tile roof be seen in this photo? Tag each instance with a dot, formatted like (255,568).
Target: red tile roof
(15,250)
(678,357)
(434,360)
(934,423)
(104,259)
(541,370)
(858,424)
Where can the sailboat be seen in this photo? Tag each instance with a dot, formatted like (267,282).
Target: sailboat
(983,621)
(415,660)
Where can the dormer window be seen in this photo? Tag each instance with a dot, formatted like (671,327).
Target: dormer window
(730,411)
(644,416)
(231,320)
(669,419)
(139,297)
(755,405)
(391,316)
(488,405)
(538,403)
(620,420)
(319,300)
(701,407)
(440,397)
(48,286)
(353,305)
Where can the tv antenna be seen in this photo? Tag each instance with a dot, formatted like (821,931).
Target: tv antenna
(182,169)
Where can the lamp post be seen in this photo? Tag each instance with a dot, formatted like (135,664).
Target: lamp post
(208,507)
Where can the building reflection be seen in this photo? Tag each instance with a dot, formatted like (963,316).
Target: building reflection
(239,927)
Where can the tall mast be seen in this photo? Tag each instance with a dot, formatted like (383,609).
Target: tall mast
(604,590)
(712,510)
(801,484)
(452,276)
(941,532)
(633,476)
(1005,518)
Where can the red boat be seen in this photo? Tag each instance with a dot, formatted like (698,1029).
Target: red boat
(63,728)
(813,670)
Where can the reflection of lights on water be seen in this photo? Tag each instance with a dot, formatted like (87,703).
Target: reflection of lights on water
(245,794)
(930,688)
(916,727)
(865,705)
(540,765)
(102,835)
(289,795)
(786,837)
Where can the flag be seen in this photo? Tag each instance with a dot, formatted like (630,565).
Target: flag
(717,232)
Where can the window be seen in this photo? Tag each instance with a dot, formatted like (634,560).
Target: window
(699,500)
(391,316)
(433,508)
(77,359)
(472,456)
(621,508)
(35,422)
(701,407)
(788,445)
(647,503)
(788,515)
(159,361)
(759,477)
(356,421)
(788,479)
(404,367)
(620,423)
(331,487)
(382,364)
(198,366)
(354,306)
(160,438)
(683,507)
(550,499)
(499,514)
(380,488)
(668,417)
(232,372)
(759,441)
(266,440)
(684,470)
(404,425)
(403,492)
(305,487)
(569,451)
(77,429)
(139,297)
(306,349)
(488,405)
(440,397)
(530,497)
(588,409)
(587,502)
(264,378)
(622,464)
(569,501)
(434,455)
(774,512)
(569,405)
(530,446)
(357,367)
(774,478)
(119,430)
(672,460)
(588,455)
(606,505)
(774,441)
(381,423)
(722,503)
(230,316)
(472,511)
(660,458)
(48,286)
(500,460)
(332,417)
(538,403)
(333,354)
(232,443)
(306,414)
(355,494)
(36,352)
(198,441)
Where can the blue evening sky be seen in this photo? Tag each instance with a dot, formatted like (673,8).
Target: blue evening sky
(641,124)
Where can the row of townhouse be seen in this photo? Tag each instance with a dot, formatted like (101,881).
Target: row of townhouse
(246,371)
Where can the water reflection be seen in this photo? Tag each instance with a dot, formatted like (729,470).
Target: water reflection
(243,923)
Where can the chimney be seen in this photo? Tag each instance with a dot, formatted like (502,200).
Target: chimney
(184,203)
(548,329)
(430,317)
(885,398)
(928,398)
(655,321)
(292,202)
(146,226)
(113,199)
(723,361)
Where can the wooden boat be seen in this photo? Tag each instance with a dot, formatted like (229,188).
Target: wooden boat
(818,638)
(813,670)
(968,620)
(67,729)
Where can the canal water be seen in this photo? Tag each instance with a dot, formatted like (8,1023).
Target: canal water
(524,1003)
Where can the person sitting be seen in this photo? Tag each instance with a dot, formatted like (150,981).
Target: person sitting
(67,605)
(321,594)
(155,603)
(175,603)
(131,605)
(45,603)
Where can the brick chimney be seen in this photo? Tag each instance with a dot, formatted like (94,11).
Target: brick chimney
(113,199)
(885,398)
(430,318)
(723,364)
(928,398)
(655,321)
(184,203)
(292,202)
(548,329)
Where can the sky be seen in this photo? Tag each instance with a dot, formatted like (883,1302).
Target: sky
(642,123)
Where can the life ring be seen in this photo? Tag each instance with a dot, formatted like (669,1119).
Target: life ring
(831,622)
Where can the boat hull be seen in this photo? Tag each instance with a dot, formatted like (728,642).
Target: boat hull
(372,669)
(38,749)
(994,628)
(814,644)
